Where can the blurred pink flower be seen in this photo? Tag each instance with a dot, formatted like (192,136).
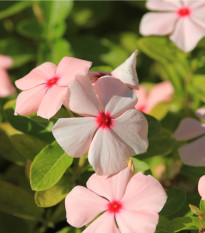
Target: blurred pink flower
(6,87)
(183,20)
(45,87)
(132,201)
(112,129)
(126,72)
(161,92)
(201,187)
(192,153)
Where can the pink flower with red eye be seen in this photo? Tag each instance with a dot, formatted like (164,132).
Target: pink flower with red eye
(183,20)
(133,202)
(192,153)
(126,72)
(201,187)
(161,92)
(112,129)
(6,87)
(45,87)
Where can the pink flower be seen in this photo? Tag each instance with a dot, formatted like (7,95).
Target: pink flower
(201,187)
(45,87)
(192,153)
(132,201)
(126,72)
(112,129)
(183,20)
(161,92)
(6,87)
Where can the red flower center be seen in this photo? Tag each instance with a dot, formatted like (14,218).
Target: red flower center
(184,11)
(114,207)
(104,120)
(52,82)
(141,108)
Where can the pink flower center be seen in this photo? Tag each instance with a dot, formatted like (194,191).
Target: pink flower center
(114,207)
(141,108)
(104,120)
(184,11)
(52,81)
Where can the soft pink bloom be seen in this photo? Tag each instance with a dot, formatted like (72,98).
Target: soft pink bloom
(126,72)
(201,187)
(132,201)
(192,153)
(112,129)
(183,20)
(162,92)
(6,87)
(45,87)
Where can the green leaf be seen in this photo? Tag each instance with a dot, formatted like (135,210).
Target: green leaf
(160,110)
(175,201)
(153,126)
(202,206)
(140,166)
(161,226)
(193,171)
(18,202)
(195,210)
(48,167)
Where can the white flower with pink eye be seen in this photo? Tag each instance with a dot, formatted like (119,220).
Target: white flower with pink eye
(45,87)
(183,20)
(201,187)
(111,128)
(193,153)
(133,202)
(6,87)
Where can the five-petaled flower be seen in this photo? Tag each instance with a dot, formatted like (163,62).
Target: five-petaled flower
(45,87)
(133,202)
(182,19)
(112,129)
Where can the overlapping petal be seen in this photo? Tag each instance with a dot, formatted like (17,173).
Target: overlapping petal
(201,187)
(6,87)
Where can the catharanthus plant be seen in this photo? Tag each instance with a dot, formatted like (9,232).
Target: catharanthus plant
(111,128)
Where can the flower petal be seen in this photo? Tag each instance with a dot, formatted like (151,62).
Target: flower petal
(69,68)
(194,4)
(52,101)
(132,128)
(201,113)
(201,187)
(158,23)
(137,221)
(163,5)
(74,135)
(37,76)
(111,187)
(6,87)
(189,128)
(126,72)
(82,97)
(187,34)
(5,62)
(139,194)
(28,101)
(193,153)
(105,223)
(82,206)
(114,96)
(142,97)
(107,153)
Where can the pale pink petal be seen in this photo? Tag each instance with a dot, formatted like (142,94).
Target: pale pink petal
(198,16)
(193,154)
(144,193)
(142,98)
(6,87)
(114,96)
(201,187)
(28,101)
(5,62)
(107,153)
(201,113)
(187,34)
(82,97)
(132,128)
(126,72)
(189,128)
(37,76)
(52,101)
(69,68)
(111,187)
(162,92)
(104,224)
(163,5)
(194,4)
(137,221)
(158,23)
(82,206)
(74,135)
